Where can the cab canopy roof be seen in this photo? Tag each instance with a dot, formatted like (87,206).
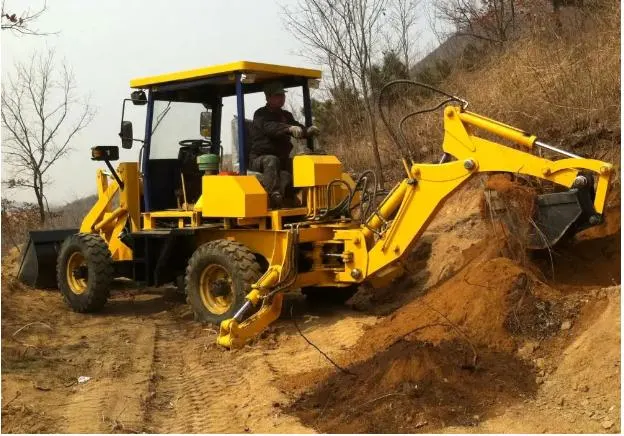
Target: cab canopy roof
(202,84)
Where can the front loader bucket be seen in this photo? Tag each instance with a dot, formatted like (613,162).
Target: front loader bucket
(38,266)
(553,217)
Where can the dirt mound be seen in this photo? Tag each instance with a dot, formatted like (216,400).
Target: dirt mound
(486,303)
(414,387)
(451,357)
(578,374)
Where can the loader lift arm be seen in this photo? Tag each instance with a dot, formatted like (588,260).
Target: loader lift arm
(396,225)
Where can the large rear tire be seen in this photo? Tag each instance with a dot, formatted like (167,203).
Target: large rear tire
(218,277)
(84,272)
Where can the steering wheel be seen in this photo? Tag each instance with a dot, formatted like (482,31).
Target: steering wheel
(195,143)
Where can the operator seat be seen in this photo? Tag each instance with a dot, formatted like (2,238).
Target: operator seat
(187,157)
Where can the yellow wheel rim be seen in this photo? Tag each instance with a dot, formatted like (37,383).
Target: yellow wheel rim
(75,261)
(215,289)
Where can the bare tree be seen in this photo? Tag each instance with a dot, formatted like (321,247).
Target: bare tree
(40,116)
(22,23)
(403,17)
(488,20)
(343,34)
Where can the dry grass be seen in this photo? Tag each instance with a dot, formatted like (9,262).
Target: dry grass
(561,83)
(557,83)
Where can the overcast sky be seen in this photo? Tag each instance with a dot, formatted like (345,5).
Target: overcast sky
(107,43)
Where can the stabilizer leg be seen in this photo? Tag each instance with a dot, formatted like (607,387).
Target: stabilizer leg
(269,289)
(234,332)
(234,335)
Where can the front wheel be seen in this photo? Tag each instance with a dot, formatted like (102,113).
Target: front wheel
(218,277)
(84,272)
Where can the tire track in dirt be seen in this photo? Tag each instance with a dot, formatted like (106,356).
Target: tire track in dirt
(113,399)
(187,385)
(199,388)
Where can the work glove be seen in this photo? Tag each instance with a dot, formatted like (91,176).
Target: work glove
(295,131)
(312,131)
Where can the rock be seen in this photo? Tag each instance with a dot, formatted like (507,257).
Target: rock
(566,325)
(539,380)
(589,413)
(584,388)
(611,409)
(476,417)
(527,349)
(542,373)
(421,424)
(561,401)
(584,403)
(540,363)
(607,424)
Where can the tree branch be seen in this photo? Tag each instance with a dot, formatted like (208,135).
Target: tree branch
(22,24)
(36,106)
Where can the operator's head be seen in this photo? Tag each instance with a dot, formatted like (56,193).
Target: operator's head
(275,95)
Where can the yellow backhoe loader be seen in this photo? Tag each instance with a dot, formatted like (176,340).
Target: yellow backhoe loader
(175,217)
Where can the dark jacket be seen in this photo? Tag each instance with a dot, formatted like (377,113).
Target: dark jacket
(269,133)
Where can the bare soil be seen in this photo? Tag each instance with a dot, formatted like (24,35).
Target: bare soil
(468,341)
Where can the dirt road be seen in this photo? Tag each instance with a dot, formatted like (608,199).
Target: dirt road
(467,342)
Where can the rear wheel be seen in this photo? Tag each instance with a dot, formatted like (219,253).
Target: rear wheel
(329,295)
(218,277)
(84,272)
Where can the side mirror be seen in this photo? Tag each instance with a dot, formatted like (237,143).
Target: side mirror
(126,134)
(205,124)
(138,97)
(105,152)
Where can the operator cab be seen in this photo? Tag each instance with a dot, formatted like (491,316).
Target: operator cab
(183,140)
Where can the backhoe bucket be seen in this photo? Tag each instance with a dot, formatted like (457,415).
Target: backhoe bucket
(542,221)
(559,214)
(38,266)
